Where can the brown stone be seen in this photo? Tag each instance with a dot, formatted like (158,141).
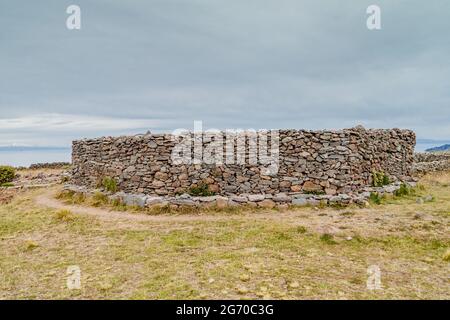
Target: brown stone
(309,186)
(285,184)
(214,188)
(221,202)
(267,203)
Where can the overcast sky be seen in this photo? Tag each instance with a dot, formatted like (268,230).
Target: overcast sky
(159,65)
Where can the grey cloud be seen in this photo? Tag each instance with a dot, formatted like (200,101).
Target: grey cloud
(258,64)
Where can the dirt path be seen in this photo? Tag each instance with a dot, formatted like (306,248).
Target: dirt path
(47,199)
(392,220)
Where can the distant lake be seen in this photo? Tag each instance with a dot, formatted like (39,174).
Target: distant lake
(24,157)
(422,146)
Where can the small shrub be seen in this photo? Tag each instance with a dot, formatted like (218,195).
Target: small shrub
(7,174)
(375,198)
(202,190)
(380,179)
(404,190)
(109,184)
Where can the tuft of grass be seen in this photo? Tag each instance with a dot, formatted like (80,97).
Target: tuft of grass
(99,199)
(375,198)
(7,185)
(30,245)
(327,238)
(64,215)
(118,205)
(446,256)
(71,197)
(301,229)
(110,184)
(403,191)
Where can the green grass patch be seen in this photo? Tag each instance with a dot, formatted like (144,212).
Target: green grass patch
(110,184)
(380,179)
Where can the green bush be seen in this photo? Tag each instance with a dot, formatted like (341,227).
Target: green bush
(202,190)
(109,184)
(7,174)
(380,179)
(375,198)
(7,184)
(404,190)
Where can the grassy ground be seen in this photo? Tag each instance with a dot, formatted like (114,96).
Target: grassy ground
(302,253)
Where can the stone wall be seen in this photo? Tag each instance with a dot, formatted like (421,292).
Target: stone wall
(50,165)
(427,162)
(332,162)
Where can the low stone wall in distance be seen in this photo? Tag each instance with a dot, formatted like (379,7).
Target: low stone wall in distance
(315,162)
(428,162)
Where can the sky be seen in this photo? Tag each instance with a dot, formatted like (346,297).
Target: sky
(158,65)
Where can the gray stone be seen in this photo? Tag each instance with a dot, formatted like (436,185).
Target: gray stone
(239,199)
(134,200)
(282,197)
(153,200)
(390,189)
(300,201)
(183,202)
(256,197)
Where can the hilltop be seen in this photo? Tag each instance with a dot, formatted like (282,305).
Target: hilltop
(445,147)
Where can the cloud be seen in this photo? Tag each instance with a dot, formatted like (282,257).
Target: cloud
(65,122)
(61,129)
(162,64)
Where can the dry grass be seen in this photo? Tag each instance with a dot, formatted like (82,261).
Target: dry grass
(301,253)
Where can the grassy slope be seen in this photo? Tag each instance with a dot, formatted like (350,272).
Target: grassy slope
(245,256)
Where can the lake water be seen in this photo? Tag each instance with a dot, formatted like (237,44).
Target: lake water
(25,158)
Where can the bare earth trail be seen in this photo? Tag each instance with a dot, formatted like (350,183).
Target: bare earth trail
(346,222)
(48,199)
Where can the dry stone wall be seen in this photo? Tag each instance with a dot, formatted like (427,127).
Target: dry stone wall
(331,162)
(426,162)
